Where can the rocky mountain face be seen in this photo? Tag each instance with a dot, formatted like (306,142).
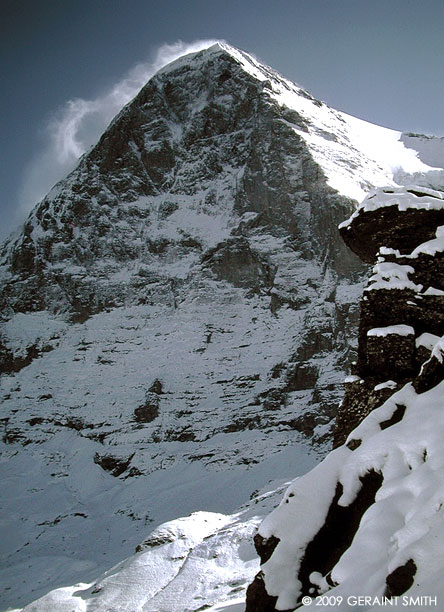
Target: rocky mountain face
(371,527)
(204,154)
(177,315)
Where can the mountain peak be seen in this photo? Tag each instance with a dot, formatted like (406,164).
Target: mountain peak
(221,48)
(198,56)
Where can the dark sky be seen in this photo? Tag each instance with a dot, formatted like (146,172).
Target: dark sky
(380,60)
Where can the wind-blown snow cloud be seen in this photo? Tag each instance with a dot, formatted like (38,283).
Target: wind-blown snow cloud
(78,124)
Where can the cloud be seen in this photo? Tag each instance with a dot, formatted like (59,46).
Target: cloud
(77,125)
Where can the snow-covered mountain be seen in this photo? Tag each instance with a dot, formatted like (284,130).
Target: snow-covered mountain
(178,315)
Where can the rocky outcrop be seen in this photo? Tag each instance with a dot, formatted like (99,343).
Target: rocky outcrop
(396,218)
(235,261)
(320,531)
(402,309)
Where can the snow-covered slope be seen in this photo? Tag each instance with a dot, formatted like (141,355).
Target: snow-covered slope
(178,313)
(430,149)
(404,523)
(185,564)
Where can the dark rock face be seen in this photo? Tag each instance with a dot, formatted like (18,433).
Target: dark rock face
(154,541)
(324,550)
(431,373)
(114,465)
(257,596)
(258,600)
(235,261)
(265,547)
(395,418)
(393,354)
(149,410)
(391,228)
(9,363)
(360,399)
(338,531)
(301,377)
(156,387)
(400,579)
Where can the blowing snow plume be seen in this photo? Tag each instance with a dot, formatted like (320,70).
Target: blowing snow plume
(77,125)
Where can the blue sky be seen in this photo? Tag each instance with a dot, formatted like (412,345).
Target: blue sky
(379,60)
